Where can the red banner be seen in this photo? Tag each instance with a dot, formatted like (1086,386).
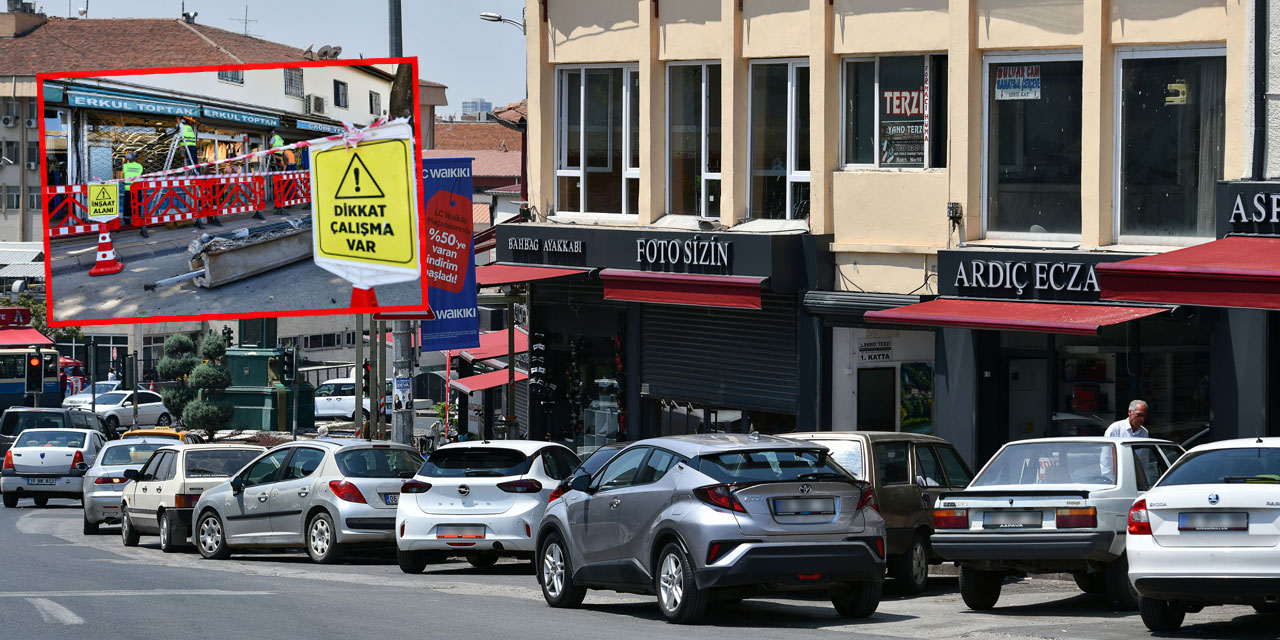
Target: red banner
(14,315)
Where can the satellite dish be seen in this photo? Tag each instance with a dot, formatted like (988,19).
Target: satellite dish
(323,53)
(335,51)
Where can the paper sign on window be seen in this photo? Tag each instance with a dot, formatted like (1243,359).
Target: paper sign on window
(1018,82)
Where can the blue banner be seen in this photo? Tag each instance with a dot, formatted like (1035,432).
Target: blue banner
(450,259)
(319,126)
(128,103)
(240,116)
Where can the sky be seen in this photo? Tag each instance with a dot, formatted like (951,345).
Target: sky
(474,58)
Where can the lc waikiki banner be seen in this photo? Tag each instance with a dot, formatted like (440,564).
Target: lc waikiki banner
(450,258)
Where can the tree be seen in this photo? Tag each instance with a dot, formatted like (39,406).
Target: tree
(177,363)
(39,320)
(208,411)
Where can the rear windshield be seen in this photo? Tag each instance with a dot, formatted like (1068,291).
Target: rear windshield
(378,463)
(1254,464)
(72,439)
(475,461)
(847,454)
(110,398)
(218,462)
(783,465)
(15,422)
(126,454)
(1036,463)
(597,459)
(175,435)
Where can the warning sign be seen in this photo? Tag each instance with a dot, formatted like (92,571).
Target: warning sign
(103,202)
(365,208)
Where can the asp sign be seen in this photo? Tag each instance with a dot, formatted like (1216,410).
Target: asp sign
(104,202)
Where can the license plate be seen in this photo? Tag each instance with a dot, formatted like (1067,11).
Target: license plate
(1231,521)
(804,507)
(1011,520)
(42,480)
(464,532)
(391,498)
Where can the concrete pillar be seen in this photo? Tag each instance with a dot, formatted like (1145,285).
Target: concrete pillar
(964,102)
(653,119)
(542,92)
(824,116)
(1097,150)
(734,87)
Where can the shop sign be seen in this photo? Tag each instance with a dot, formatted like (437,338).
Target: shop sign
(875,350)
(1018,82)
(307,125)
(1248,207)
(451,264)
(694,251)
(904,111)
(241,117)
(14,315)
(1021,275)
(53,92)
(549,245)
(125,103)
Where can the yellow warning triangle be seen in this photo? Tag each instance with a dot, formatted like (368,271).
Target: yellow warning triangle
(358,181)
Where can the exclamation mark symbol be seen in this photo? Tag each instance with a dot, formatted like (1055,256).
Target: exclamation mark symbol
(357,174)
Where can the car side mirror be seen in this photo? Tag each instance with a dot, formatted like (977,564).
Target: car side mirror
(131,474)
(921,482)
(237,485)
(581,483)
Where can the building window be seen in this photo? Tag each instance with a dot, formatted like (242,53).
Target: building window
(693,139)
(10,107)
(33,198)
(339,94)
(597,140)
(33,151)
(1032,145)
(235,77)
(12,198)
(779,140)
(351,338)
(1171,119)
(375,103)
(33,109)
(293,82)
(10,152)
(322,341)
(895,112)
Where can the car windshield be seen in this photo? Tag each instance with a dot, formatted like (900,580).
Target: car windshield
(218,462)
(378,463)
(782,465)
(104,387)
(15,422)
(1218,466)
(596,460)
(1044,462)
(127,454)
(111,398)
(475,461)
(72,439)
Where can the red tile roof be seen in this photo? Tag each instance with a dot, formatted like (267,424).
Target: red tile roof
(487,164)
(507,190)
(477,136)
(514,112)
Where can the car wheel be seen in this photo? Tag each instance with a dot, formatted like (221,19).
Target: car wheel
(113,425)
(322,540)
(128,533)
(210,540)
(980,589)
(412,562)
(41,502)
(169,536)
(679,597)
(557,575)
(164,420)
(910,571)
(1161,615)
(10,500)
(1091,582)
(1120,592)
(364,415)
(90,528)
(857,600)
(483,559)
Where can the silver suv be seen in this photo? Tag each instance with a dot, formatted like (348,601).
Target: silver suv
(714,517)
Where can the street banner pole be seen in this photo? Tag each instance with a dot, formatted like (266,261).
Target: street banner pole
(356,372)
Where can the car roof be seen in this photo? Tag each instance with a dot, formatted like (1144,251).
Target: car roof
(711,443)
(523,446)
(343,443)
(874,436)
(59,429)
(115,443)
(1239,443)
(36,410)
(205,446)
(1094,439)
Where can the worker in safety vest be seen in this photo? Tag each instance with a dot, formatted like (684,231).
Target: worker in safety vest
(277,157)
(130,171)
(188,133)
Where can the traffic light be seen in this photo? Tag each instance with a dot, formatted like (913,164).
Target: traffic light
(130,373)
(364,380)
(35,373)
(286,364)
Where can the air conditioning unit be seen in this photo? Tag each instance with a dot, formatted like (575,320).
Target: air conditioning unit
(8,121)
(31,123)
(315,104)
(32,166)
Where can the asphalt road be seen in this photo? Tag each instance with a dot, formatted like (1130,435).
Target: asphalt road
(57,583)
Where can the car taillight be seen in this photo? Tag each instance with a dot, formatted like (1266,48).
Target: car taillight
(1139,522)
(8,460)
(719,495)
(557,492)
(346,491)
(721,548)
(950,518)
(880,547)
(521,486)
(868,499)
(1077,518)
(415,486)
(77,459)
(186,500)
(110,480)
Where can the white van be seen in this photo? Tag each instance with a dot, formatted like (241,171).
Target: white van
(336,399)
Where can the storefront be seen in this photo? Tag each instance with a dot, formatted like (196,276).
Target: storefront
(643,332)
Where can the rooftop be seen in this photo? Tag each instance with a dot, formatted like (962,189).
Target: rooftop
(486,164)
(478,136)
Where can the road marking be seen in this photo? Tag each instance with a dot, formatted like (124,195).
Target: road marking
(54,612)
(113,594)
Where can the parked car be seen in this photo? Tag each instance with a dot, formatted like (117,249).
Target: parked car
(181,435)
(483,499)
(161,496)
(48,463)
(698,518)
(85,396)
(1050,505)
(324,495)
(15,420)
(907,471)
(104,480)
(1206,533)
(593,462)
(116,408)
(336,399)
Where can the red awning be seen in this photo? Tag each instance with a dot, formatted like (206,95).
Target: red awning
(492,275)
(471,384)
(737,292)
(493,344)
(22,337)
(1236,271)
(1042,317)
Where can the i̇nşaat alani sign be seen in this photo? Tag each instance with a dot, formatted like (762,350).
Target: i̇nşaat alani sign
(1022,275)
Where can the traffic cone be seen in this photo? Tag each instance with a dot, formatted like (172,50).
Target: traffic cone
(152,387)
(363,297)
(107,263)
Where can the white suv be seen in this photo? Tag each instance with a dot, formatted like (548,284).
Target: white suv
(336,399)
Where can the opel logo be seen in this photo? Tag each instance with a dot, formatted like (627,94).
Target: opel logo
(463,490)
(804,488)
(1213,498)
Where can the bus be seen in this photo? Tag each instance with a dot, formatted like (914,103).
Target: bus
(13,378)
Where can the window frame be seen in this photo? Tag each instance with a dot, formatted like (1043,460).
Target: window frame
(375,103)
(1146,52)
(560,168)
(597,481)
(845,164)
(345,103)
(702,137)
(1006,57)
(302,87)
(229,76)
(792,175)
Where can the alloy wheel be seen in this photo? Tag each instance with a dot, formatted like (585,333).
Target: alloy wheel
(164,531)
(320,536)
(553,570)
(671,582)
(210,535)
(919,563)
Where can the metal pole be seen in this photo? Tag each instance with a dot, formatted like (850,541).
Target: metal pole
(402,419)
(510,419)
(133,369)
(373,379)
(93,375)
(293,355)
(397,48)
(381,370)
(356,372)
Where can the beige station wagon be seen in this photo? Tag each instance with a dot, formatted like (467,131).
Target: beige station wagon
(908,471)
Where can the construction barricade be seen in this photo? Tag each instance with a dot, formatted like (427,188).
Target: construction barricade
(234,194)
(291,188)
(66,211)
(159,201)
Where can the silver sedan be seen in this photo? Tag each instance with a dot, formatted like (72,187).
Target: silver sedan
(105,479)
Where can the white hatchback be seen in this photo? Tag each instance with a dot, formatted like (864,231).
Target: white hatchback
(48,463)
(1208,532)
(481,499)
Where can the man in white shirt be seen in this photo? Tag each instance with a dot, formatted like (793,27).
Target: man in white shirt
(1130,427)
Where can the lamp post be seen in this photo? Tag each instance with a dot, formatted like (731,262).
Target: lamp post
(490,16)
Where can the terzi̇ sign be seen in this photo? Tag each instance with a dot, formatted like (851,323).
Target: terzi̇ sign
(694,251)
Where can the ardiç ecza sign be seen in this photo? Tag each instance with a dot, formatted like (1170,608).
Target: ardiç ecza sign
(1021,275)
(450,256)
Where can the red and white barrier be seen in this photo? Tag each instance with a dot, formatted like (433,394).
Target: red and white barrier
(291,188)
(66,213)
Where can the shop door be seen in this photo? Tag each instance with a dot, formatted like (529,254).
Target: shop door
(877,399)
(1028,400)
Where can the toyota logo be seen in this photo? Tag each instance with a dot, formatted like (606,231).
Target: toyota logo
(1213,498)
(804,488)
(463,490)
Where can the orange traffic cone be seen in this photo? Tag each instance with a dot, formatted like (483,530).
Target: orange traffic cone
(152,387)
(107,263)
(363,297)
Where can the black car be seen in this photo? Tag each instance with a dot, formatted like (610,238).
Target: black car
(15,420)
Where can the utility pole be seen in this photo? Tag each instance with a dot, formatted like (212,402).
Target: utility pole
(357,371)
(374,412)
(402,418)
(397,40)
(383,426)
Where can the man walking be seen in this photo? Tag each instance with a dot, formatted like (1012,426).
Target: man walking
(1130,427)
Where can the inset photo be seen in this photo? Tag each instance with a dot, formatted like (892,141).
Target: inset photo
(232,192)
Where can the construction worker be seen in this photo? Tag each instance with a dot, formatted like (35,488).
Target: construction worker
(277,157)
(130,172)
(188,133)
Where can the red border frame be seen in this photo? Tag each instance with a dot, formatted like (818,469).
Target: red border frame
(417,163)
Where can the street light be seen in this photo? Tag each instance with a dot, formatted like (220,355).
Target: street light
(490,16)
